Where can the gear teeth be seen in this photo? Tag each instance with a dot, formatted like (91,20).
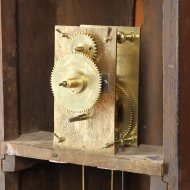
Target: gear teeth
(95,101)
(91,53)
(99,46)
(51,80)
(131,107)
(96,71)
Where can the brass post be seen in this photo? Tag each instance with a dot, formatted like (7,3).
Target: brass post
(72,83)
(123,37)
(83,177)
(122,180)
(112,179)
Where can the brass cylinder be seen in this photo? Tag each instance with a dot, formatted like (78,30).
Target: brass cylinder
(80,47)
(72,83)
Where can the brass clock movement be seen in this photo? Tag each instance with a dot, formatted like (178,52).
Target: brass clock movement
(95,86)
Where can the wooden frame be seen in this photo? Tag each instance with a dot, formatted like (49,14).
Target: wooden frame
(171,91)
(175,93)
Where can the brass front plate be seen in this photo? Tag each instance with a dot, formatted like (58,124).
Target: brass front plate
(99,129)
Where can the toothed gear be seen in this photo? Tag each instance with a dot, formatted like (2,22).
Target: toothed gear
(125,105)
(83,42)
(73,65)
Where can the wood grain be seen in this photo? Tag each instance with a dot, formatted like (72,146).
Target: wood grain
(184,94)
(137,182)
(151,75)
(12,163)
(9,116)
(36,21)
(103,181)
(170,92)
(12,181)
(2,180)
(156,183)
(1,85)
(139,14)
(36,109)
(145,159)
(41,177)
(70,174)
(9,93)
(99,12)
(151,85)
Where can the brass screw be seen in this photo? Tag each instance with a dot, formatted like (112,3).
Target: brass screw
(109,145)
(60,139)
(64,35)
(108,37)
(79,118)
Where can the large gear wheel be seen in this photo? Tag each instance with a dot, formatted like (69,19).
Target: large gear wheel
(76,82)
(125,110)
(83,42)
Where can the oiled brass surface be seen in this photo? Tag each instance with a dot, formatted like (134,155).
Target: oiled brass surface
(92,129)
(76,82)
(83,42)
(109,119)
(127,79)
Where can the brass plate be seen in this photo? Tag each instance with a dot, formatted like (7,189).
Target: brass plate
(91,134)
(128,78)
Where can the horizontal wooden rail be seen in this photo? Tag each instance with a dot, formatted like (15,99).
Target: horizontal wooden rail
(145,159)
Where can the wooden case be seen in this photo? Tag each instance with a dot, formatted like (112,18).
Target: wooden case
(26,102)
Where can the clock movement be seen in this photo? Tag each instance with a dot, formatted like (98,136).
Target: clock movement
(95,86)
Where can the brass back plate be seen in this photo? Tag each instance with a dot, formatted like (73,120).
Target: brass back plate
(128,79)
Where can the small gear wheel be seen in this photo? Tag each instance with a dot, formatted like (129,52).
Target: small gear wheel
(76,82)
(83,42)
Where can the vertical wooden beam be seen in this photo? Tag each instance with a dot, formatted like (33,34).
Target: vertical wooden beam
(184,94)
(139,13)
(36,22)
(9,68)
(2,180)
(70,177)
(151,75)
(130,12)
(41,177)
(1,84)
(13,164)
(137,182)
(114,13)
(9,116)
(156,183)
(170,91)
(97,178)
(12,181)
